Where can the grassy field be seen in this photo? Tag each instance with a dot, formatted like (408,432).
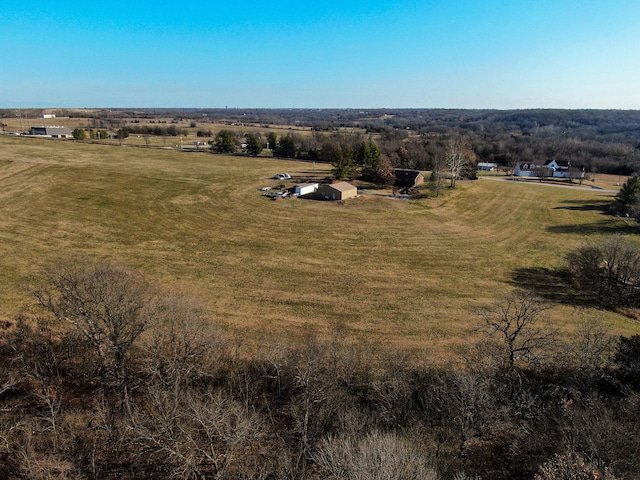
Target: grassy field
(15,124)
(399,273)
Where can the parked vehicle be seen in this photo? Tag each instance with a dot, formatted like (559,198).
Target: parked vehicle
(282,176)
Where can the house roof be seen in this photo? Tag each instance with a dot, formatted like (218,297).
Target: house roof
(407,178)
(342,186)
(407,173)
(560,163)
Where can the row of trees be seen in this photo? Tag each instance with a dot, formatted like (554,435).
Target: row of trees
(155,130)
(357,156)
(600,140)
(122,380)
(124,132)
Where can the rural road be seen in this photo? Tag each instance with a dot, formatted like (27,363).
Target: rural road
(542,184)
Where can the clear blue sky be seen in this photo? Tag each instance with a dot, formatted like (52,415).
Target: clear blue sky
(321,54)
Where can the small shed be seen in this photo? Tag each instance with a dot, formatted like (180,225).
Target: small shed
(305,188)
(408,178)
(336,191)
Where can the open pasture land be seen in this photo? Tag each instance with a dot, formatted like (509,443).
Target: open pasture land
(400,273)
(188,128)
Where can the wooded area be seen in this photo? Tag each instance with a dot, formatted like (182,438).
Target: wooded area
(119,379)
(601,141)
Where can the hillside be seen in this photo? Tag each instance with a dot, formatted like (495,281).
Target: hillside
(400,273)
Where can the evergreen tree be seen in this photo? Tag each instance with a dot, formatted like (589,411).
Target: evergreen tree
(79,134)
(272,140)
(344,167)
(286,147)
(224,142)
(367,154)
(254,144)
(628,198)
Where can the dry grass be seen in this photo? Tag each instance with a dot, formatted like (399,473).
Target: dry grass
(16,124)
(401,274)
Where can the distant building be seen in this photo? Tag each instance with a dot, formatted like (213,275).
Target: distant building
(408,178)
(551,168)
(48,115)
(487,166)
(336,191)
(51,131)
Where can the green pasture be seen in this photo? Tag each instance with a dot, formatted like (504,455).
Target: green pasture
(399,273)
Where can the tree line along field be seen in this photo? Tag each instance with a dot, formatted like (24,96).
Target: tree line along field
(600,141)
(401,275)
(172,132)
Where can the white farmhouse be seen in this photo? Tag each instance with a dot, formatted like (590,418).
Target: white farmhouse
(551,168)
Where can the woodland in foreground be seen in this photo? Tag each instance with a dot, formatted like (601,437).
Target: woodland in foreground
(117,379)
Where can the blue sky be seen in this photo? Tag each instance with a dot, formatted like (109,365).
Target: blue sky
(321,54)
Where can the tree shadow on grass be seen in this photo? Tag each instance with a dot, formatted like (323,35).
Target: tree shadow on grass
(550,285)
(603,206)
(610,226)
(610,223)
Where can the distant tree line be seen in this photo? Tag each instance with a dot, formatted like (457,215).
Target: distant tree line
(605,141)
(155,130)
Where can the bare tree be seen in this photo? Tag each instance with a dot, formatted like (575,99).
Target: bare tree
(458,153)
(105,301)
(437,175)
(37,462)
(572,466)
(470,398)
(180,340)
(609,271)
(376,456)
(515,322)
(312,388)
(199,436)
(594,345)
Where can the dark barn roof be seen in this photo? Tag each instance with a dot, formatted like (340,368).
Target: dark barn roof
(408,178)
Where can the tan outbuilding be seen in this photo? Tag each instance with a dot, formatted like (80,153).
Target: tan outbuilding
(336,191)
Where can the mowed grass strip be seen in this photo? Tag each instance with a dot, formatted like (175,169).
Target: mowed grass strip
(399,273)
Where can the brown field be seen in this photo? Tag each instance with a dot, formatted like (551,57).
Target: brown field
(83,120)
(405,274)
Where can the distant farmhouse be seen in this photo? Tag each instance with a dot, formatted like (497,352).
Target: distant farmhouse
(552,168)
(408,178)
(336,191)
(487,166)
(53,132)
